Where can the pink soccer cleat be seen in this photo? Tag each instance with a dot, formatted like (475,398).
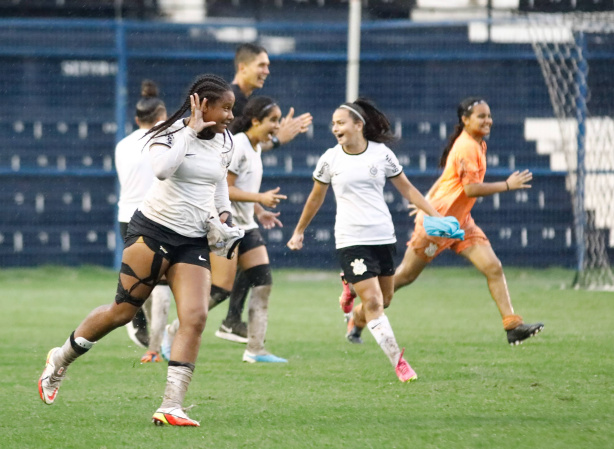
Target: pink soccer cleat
(405,373)
(346,300)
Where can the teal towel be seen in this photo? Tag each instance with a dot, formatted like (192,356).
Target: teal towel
(443,227)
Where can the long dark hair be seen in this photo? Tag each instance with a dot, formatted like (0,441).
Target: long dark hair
(464,109)
(376,125)
(256,108)
(208,86)
(149,108)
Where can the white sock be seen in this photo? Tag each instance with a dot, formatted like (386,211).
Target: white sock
(160,300)
(178,379)
(258,314)
(382,332)
(66,355)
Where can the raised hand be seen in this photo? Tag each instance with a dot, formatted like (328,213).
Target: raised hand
(198,109)
(291,126)
(519,179)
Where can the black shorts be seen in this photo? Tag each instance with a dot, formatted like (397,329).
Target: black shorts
(367,261)
(173,247)
(252,239)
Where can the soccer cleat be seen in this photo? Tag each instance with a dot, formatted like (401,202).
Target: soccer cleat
(520,333)
(236,332)
(137,330)
(151,356)
(353,333)
(346,300)
(173,416)
(266,358)
(404,372)
(167,342)
(48,388)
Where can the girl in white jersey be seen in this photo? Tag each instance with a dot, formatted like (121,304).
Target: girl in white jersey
(358,168)
(168,236)
(135,177)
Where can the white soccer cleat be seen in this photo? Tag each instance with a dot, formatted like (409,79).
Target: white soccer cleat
(173,416)
(48,388)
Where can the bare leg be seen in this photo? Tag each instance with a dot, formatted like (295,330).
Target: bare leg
(190,285)
(484,259)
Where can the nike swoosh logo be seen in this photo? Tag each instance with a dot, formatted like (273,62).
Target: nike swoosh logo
(52,396)
(201,258)
(226,328)
(190,154)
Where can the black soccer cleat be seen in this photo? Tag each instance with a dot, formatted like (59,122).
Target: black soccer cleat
(520,333)
(353,335)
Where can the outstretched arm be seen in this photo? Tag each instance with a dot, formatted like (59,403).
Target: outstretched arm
(312,205)
(517,180)
(413,195)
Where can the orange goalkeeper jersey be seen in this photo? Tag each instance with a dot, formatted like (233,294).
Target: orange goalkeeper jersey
(466,164)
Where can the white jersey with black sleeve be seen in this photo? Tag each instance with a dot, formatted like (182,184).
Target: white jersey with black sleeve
(246,163)
(191,179)
(133,172)
(358,181)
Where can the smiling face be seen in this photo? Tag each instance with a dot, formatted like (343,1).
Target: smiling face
(254,73)
(347,130)
(220,112)
(263,130)
(478,124)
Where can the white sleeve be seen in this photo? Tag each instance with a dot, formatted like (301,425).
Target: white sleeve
(393,167)
(167,151)
(237,163)
(221,197)
(322,170)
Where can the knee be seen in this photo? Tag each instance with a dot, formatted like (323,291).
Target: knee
(195,322)
(493,269)
(372,304)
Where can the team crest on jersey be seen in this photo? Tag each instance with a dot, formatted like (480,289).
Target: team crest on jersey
(321,171)
(431,250)
(225,160)
(372,171)
(359,267)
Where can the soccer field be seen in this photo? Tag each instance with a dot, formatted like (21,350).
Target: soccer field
(473,391)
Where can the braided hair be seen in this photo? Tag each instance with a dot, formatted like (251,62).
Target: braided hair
(376,125)
(211,87)
(464,109)
(149,108)
(256,108)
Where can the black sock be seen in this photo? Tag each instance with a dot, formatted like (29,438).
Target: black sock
(238,296)
(218,296)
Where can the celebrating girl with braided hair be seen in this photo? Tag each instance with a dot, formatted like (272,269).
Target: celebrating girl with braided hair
(167,235)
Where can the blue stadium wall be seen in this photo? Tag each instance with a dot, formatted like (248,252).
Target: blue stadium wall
(59,113)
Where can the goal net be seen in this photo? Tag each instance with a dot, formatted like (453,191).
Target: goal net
(566,45)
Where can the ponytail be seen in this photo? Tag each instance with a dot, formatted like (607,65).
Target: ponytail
(376,125)
(149,108)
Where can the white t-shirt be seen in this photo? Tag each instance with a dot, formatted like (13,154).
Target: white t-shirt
(358,181)
(191,184)
(246,163)
(134,173)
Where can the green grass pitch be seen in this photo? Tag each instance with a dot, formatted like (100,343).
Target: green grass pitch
(474,391)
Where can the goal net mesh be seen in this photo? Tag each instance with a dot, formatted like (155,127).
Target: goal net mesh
(562,44)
